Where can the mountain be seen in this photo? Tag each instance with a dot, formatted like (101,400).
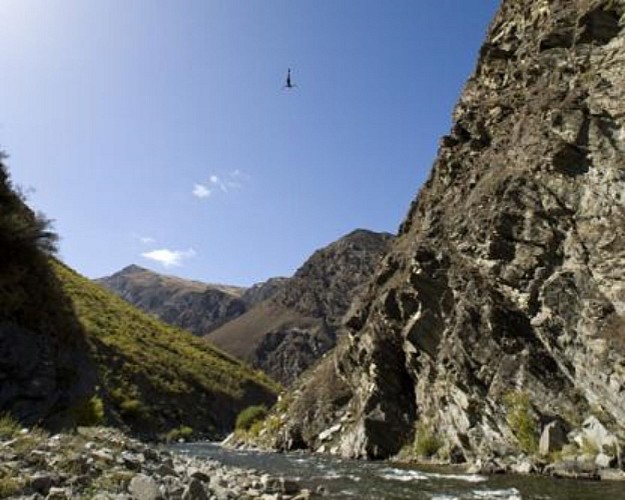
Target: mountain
(191,305)
(72,353)
(286,333)
(498,316)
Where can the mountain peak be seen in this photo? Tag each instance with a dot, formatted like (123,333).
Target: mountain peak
(132,269)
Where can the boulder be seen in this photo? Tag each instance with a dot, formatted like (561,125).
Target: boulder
(195,491)
(604,461)
(144,487)
(58,494)
(42,482)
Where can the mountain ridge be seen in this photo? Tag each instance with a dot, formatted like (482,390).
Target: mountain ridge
(289,331)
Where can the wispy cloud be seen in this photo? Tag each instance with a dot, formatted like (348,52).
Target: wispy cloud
(216,181)
(201,191)
(169,258)
(230,182)
(146,240)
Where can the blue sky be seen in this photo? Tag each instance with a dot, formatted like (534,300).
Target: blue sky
(156,132)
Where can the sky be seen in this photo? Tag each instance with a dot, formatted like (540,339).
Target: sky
(157,132)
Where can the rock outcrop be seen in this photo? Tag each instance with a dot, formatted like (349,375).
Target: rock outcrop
(291,329)
(501,306)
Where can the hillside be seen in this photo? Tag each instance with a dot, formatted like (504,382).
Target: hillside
(46,375)
(73,353)
(153,377)
(190,305)
(286,333)
(497,317)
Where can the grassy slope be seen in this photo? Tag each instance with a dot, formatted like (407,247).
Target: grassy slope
(155,377)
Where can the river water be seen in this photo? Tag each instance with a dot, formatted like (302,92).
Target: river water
(350,479)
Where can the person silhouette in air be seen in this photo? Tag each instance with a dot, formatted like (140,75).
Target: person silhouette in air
(289,84)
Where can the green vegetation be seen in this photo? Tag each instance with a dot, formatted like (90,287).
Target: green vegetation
(20,228)
(9,428)
(133,408)
(154,375)
(426,442)
(521,420)
(88,411)
(9,487)
(182,432)
(250,416)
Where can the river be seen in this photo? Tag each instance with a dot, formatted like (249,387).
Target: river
(350,479)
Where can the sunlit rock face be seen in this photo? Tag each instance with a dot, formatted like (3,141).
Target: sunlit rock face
(507,284)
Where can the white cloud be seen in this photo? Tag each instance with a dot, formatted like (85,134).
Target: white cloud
(232,181)
(201,191)
(146,240)
(169,258)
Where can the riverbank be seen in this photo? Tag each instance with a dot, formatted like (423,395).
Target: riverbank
(577,463)
(345,479)
(103,463)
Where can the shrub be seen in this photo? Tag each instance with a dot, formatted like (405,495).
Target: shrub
(132,408)
(182,432)
(8,427)
(426,443)
(521,420)
(9,487)
(88,411)
(249,416)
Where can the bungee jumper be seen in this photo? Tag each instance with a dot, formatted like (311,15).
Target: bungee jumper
(289,84)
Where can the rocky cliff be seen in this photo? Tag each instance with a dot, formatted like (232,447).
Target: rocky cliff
(500,310)
(286,333)
(191,305)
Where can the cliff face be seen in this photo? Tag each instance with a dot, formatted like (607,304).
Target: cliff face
(504,295)
(287,332)
(191,305)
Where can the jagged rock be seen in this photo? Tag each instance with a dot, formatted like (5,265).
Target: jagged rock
(144,487)
(553,438)
(504,294)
